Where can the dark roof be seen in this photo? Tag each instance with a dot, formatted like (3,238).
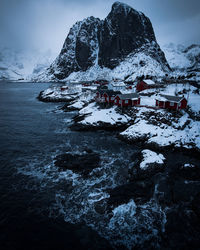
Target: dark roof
(102,87)
(108,92)
(129,96)
(172,98)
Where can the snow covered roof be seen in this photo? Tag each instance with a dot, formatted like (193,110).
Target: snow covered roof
(170,98)
(118,84)
(131,96)
(149,82)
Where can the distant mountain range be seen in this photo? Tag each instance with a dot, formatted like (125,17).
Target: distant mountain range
(183,58)
(17,65)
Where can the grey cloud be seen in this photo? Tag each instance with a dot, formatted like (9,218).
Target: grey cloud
(45,23)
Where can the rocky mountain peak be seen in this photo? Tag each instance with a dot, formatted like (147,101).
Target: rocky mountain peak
(107,42)
(119,7)
(124,30)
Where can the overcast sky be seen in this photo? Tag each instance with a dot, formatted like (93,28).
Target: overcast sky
(44,24)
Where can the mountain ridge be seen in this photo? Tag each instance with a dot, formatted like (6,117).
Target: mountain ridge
(107,42)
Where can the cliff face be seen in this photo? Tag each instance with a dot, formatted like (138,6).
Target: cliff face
(80,48)
(123,31)
(107,42)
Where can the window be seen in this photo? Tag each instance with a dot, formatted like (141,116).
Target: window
(171,104)
(126,101)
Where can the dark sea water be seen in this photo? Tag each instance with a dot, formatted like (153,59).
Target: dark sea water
(43,207)
(40,206)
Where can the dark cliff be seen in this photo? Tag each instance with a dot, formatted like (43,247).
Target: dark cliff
(107,42)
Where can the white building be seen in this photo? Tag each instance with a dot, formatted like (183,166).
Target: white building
(117,86)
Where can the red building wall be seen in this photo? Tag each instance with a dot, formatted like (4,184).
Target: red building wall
(183,103)
(111,99)
(126,103)
(116,102)
(160,104)
(106,97)
(141,86)
(136,102)
(172,105)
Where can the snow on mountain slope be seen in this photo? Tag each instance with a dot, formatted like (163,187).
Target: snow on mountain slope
(181,57)
(15,65)
(134,65)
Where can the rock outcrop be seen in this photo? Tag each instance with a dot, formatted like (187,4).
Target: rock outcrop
(107,42)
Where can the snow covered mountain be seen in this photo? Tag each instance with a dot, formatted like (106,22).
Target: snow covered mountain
(18,65)
(122,45)
(181,57)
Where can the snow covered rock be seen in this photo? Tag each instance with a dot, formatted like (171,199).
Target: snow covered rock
(150,157)
(103,44)
(55,94)
(161,129)
(93,117)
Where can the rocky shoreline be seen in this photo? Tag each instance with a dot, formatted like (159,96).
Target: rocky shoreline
(45,98)
(171,185)
(160,119)
(165,183)
(142,141)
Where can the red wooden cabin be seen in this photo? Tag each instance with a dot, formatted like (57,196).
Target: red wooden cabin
(171,102)
(63,88)
(106,96)
(144,84)
(101,82)
(125,100)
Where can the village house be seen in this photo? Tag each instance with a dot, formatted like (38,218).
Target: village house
(63,88)
(171,102)
(101,82)
(106,96)
(145,84)
(117,86)
(125,100)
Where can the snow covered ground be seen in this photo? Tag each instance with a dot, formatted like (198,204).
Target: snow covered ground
(56,93)
(189,92)
(182,132)
(69,93)
(96,115)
